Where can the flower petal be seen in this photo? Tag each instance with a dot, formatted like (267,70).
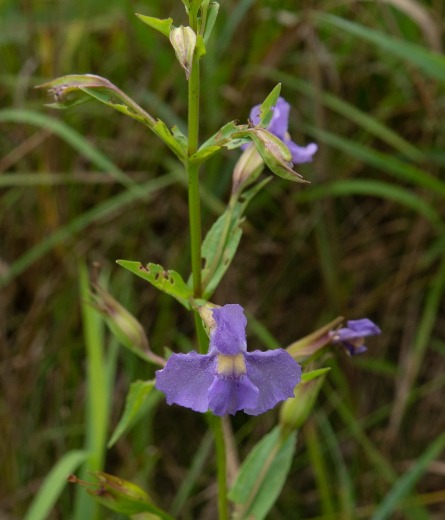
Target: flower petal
(275,373)
(186,379)
(229,336)
(301,154)
(357,329)
(228,395)
(280,118)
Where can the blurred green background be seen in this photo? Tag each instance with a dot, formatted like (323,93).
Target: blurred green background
(365,238)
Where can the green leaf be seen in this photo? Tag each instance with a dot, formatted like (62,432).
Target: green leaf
(175,140)
(262,475)
(223,137)
(266,111)
(431,63)
(210,19)
(222,240)
(163,26)
(219,248)
(169,281)
(295,412)
(53,485)
(72,90)
(134,403)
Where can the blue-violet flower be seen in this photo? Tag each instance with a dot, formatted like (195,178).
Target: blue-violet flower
(279,126)
(229,378)
(352,337)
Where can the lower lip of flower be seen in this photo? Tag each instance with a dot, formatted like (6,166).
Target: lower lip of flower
(231,366)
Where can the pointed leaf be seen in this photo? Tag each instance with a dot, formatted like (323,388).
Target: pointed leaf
(77,88)
(211,15)
(163,26)
(134,403)
(222,240)
(72,90)
(266,111)
(262,475)
(169,281)
(219,248)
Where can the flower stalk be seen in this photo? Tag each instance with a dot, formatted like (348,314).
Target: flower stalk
(194,202)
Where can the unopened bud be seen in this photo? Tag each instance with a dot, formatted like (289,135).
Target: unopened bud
(118,494)
(273,151)
(183,40)
(247,168)
(122,323)
(294,412)
(312,344)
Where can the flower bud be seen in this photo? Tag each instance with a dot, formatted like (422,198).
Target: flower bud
(183,40)
(122,323)
(118,494)
(294,412)
(247,169)
(312,344)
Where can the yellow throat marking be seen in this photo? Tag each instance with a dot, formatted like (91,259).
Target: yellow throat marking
(231,365)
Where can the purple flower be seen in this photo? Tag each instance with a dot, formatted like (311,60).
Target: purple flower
(229,378)
(279,125)
(352,337)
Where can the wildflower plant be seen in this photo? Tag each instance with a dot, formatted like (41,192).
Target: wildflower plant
(222,376)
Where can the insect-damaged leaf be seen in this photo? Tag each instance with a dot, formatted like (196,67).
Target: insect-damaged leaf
(169,281)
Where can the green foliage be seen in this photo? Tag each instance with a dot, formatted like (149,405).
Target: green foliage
(135,403)
(169,281)
(53,485)
(267,105)
(262,475)
(163,26)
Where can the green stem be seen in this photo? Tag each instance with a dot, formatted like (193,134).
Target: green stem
(193,170)
(195,246)
(217,426)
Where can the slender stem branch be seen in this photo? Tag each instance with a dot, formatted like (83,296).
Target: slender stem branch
(193,171)
(195,246)
(217,426)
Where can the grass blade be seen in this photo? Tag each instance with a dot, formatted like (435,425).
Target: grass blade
(373,188)
(53,485)
(429,62)
(406,483)
(70,136)
(64,233)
